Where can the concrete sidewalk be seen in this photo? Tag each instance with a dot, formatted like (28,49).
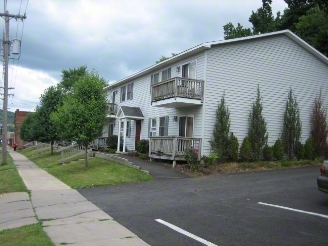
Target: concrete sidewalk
(67,217)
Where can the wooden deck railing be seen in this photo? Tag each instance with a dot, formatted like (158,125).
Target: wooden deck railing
(112,108)
(173,147)
(178,87)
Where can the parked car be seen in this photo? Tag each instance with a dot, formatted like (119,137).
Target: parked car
(322,180)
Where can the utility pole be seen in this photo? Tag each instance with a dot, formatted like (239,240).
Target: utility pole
(6,44)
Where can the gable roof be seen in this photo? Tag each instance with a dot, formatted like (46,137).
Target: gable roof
(130,112)
(208,45)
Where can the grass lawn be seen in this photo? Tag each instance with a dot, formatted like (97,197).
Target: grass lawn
(10,181)
(99,173)
(31,235)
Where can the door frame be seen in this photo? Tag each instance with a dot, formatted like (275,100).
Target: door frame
(193,123)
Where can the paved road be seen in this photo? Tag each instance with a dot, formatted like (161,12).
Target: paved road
(222,209)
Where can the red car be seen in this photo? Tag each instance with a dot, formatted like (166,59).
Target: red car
(322,180)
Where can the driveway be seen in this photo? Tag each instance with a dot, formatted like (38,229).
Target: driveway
(281,207)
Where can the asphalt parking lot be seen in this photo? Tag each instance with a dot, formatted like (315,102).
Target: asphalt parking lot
(281,207)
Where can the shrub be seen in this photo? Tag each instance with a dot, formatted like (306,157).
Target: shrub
(233,147)
(299,150)
(220,140)
(191,157)
(210,160)
(308,149)
(245,150)
(278,150)
(143,156)
(268,153)
(143,146)
(112,141)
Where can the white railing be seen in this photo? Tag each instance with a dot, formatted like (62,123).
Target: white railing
(71,152)
(173,146)
(29,145)
(178,87)
(41,147)
(112,108)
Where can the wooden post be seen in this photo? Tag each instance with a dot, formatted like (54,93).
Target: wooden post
(119,136)
(174,151)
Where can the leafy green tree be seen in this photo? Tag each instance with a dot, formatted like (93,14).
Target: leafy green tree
(71,76)
(292,126)
(220,139)
(163,58)
(257,131)
(46,129)
(82,115)
(27,131)
(278,150)
(233,147)
(263,20)
(319,127)
(230,31)
(245,150)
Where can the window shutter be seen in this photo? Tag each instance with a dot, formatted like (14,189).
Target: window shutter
(132,90)
(168,73)
(149,122)
(121,92)
(166,128)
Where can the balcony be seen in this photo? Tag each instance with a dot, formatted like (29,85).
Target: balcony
(111,110)
(177,93)
(173,148)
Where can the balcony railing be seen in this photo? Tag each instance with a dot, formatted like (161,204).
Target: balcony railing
(112,108)
(173,148)
(178,87)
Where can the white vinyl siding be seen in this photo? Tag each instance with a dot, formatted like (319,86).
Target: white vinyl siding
(275,64)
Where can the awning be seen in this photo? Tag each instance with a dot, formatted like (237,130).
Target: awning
(126,112)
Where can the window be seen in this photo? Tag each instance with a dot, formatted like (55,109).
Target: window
(154,79)
(152,127)
(166,74)
(113,97)
(127,92)
(128,128)
(123,93)
(111,129)
(189,70)
(130,91)
(163,126)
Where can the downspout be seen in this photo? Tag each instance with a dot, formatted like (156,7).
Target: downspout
(204,102)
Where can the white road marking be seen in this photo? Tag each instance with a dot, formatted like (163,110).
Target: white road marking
(185,233)
(295,210)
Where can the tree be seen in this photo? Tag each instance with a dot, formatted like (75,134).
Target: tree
(230,31)
(46,128)
(263,20)
(27,131)
(71,76)
(163,58)
(292,126)
(220,139)
(319,127)
(82,115)
(257,131)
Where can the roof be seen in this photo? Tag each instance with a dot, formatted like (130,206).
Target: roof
(208,45)
(131,112)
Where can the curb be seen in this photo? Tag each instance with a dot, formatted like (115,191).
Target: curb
(118,159)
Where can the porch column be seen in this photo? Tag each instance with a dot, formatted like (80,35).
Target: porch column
(119,135)
(124,134)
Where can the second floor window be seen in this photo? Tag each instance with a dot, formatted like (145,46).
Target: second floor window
(154,79)
(127,92)
(166,74)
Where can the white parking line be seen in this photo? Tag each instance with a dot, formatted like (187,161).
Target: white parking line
(185,233)
(295,210)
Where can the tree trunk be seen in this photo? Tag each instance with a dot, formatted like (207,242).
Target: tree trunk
(86,155)
(52,147)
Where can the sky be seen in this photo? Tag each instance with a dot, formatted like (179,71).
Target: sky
(114,37)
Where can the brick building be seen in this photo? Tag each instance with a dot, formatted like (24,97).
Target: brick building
(18,119)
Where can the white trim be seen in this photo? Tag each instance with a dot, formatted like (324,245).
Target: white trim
(132,117)
(124,135)
(204,102)
(208,45)
(178,102)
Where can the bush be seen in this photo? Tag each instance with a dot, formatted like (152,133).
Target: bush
(143,146)
(299,150)
(278,150)
(233,147)
(268,153)
(245,150)
(309,150)
(112,142)
(210,160)
(191,157)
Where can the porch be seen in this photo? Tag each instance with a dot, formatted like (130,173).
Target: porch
(173,148)
(178,92)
